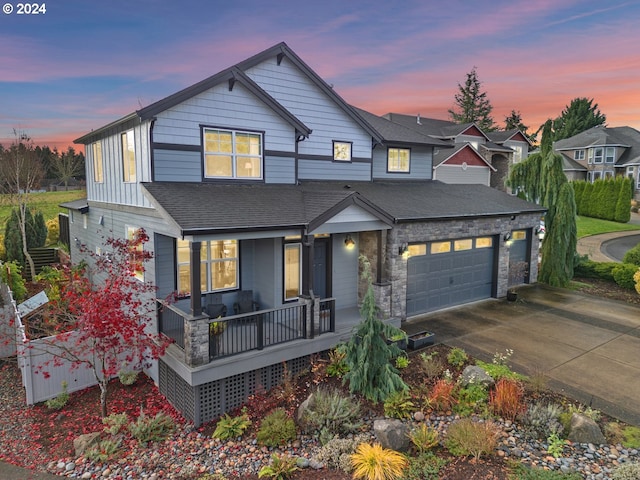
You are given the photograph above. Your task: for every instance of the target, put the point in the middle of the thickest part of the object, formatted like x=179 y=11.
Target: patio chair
x=245 y=303
x=215 y=308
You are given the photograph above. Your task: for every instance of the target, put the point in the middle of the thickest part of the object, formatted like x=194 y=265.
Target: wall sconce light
x=403 y=249
x=507 y=237
x=77 y=241
x=349 y=243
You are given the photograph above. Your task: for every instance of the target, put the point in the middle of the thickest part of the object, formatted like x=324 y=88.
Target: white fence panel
x=7 y=315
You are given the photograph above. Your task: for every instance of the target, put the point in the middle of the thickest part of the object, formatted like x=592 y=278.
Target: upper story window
x=598 y=154
x=98 y=174
x=578 y=155
x=342 y=151
x=517 y=153
x=610 y=155
x=398 y=160
x=232 y=154
x=219 y=270
x=128 y=157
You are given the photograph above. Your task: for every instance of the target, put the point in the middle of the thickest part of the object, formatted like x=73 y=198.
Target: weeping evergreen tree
x=368 y=355
x=542 y=180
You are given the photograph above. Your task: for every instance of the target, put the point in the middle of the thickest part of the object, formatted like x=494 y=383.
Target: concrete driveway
x=588 y=347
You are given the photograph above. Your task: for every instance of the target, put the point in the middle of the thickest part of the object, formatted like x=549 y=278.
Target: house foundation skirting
x=204 y=403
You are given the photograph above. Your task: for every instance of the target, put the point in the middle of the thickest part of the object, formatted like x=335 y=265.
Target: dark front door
x=321 y=255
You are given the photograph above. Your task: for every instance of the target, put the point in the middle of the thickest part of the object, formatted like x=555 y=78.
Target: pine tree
x=36 y=230
x=578 y=116
x=473 y=104
x=368 y=355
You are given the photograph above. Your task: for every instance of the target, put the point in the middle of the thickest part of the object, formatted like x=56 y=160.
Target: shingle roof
x=501 y=136
x=600 y=136
x=443 y=155
x=206 y=207
x=570 y=164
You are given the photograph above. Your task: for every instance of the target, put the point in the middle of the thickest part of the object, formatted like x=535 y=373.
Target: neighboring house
x=602 y=152
x=261 y=186
x=499 y=150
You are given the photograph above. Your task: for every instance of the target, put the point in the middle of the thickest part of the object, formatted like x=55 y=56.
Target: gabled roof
x=441 y=156
x=305 y=205
x=442 y=129
x=232 y=75
x=623 y=137
x=569 y=164
x=494 y=147
x=501 y=136
x=398 y=134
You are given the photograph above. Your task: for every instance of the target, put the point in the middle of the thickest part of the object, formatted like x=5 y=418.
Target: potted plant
x=216 y=329
x=518 y=272
x=400 y=339
x=421 y=339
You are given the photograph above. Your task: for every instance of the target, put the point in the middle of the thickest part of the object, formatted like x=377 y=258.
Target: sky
x=81 y=64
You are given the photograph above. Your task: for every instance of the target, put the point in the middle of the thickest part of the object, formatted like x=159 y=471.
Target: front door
x=321 y=255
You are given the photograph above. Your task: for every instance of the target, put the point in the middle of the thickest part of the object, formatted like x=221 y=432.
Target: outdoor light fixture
x=349 y=243
x=404 y=248
x=507 y=236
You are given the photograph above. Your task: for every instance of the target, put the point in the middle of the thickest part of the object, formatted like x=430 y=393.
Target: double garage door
x=450 y=272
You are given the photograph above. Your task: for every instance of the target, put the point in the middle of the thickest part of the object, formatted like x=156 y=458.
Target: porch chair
x=215 y=308
x=245 y=303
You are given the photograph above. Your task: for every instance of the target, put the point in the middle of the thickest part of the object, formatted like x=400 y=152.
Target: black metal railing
x=327 y=321
x=171 y=322
x=256 y=330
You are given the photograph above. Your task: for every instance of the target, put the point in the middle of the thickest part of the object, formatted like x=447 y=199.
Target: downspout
x=152 y=150
x=299 y=138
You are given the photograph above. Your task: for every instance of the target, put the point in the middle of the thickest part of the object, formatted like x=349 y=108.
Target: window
x=610 y=155
x=518 y=235
x=590 y=160
x=596 y=175
x=218 y=266
x=417 y=249
x=292 y=270
x=398 y=160
x=464 y=244
x=608 y=174
x=517 y=153
x=598 y=154
x=440 y=247
x=98 y=175
x=136 y=261
x=578 y=155
x=128 y=157
x=342 y=151
x=231 y=154
x=484 y=242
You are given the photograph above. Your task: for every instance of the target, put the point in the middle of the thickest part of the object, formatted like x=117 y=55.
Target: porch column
x=380 y=255
x=196 y=293
x=307 y=264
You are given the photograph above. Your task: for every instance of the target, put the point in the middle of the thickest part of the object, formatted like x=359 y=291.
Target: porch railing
x=327 y=318
x=171 y=322
x=257 y=330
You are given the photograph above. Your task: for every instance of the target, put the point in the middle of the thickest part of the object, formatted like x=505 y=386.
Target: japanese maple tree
x=106 y=314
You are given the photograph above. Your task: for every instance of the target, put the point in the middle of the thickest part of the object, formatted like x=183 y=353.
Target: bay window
x=232 y=154
x=218 y=266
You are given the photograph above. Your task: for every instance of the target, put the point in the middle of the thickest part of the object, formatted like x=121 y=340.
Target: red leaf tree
x=106 y=313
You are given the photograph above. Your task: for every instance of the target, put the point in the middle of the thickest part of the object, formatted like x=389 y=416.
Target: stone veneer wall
x=441 y=230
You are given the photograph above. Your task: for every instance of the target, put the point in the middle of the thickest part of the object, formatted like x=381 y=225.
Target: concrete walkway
x=588 y=347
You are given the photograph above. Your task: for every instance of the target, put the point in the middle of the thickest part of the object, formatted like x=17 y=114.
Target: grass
x=47 y=203
x=594 y=226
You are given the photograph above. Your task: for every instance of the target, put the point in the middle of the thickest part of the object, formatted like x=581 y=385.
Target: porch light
x=404 y=249
x=507 y=237
x=349 y=243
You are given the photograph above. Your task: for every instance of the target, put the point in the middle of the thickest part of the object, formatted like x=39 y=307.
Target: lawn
x=47 y=203
x=594 y=226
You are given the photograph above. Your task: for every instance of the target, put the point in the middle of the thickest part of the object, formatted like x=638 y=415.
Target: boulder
x=392 y=433
x=83 y=442
x=476 y=375
x=585 y=430
x=304 y=406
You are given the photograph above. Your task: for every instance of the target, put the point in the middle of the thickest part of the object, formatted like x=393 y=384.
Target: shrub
x=103 y=451
x=591 y=269
x=457 y=357
x=471 y=399
x=468 y=437
x=592 y=413
x=10 y=275
x=506 y=399
x=627 y=471
x=3 y=251
x=127 y=378
x=336 y=453
x=555 y=445
x=330 y=413
x=280 y=468
x=373 y=462
x=523 y=472
x=623 y=275
x=277 y=428
x=632 y=256
x=424 y=437
x=53 y=231
x=425 y=466
x=152 y=429
x=497 y=371
x=441 y=398
x=541 y=421
x=337 y=366
x=231 y=427
x=402 y=362
x=115 y=423
x=61 y=400
x=399 y=405
x=628 y=435
x=636 y=278
x=431 y=364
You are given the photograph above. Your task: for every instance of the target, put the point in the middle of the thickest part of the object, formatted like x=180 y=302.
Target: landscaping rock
x=304 y=406
x=392 y=433
x=81 y=443
x=585 y=430
x=476 y=375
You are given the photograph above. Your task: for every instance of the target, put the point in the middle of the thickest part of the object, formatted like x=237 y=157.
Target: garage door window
x=418 y=249
x=484 y=242
x=440 y=247
x=464 y=244
x=519 y=235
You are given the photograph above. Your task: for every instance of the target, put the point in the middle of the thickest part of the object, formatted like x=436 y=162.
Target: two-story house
x=260 y=188
x=600 y=153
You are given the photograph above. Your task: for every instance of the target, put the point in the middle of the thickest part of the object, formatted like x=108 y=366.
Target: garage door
x=450 y=272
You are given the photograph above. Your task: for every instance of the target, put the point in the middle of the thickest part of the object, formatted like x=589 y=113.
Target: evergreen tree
x=36 y=230
x=514 y=121
x=368 y=355
x=473 y=104
x=623 y=205
x=578 y=116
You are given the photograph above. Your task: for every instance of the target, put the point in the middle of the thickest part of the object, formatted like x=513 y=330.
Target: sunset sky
x=83 y=64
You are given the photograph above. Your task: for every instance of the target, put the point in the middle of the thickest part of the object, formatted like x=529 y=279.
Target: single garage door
x=450 y=272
